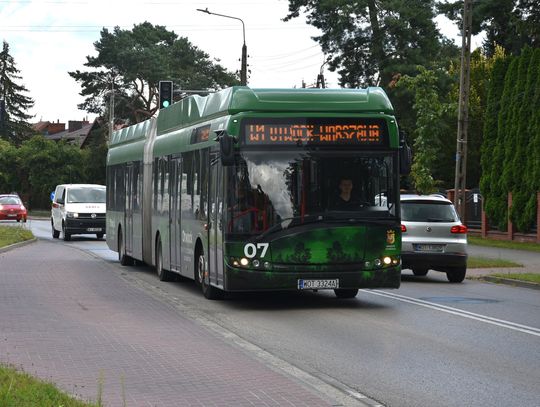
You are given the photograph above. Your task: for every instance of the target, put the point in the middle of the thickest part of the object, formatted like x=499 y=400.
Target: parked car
x=78 y=209
x=433 y=237
x=12 y=208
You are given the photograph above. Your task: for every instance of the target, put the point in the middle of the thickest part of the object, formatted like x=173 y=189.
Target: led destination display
x=315 y=131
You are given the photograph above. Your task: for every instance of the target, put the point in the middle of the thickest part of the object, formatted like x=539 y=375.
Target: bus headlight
x=244 y=262
x=387 y=260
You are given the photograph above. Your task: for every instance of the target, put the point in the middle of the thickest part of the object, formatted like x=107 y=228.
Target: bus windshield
x=269 y=190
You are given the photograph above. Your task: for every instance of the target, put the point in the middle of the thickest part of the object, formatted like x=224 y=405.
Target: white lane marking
x=462 y=313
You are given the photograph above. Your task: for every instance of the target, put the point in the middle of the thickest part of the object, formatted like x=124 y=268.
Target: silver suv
x=433 y=237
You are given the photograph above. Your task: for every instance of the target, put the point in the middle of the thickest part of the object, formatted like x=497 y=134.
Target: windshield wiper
x=290 y=222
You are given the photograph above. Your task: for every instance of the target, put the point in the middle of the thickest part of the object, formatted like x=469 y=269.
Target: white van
x=78 y=209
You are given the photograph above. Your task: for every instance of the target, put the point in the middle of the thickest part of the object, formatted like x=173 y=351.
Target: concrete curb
x=16 y=245
x=511 y=281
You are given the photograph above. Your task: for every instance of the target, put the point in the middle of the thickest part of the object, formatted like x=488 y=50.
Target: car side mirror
x=226 y=147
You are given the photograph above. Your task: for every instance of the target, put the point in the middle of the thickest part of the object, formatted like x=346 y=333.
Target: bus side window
x=196 y=195
x=203 y=205
x=156 y=183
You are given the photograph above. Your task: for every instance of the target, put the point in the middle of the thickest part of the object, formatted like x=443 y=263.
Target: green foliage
x=21 y=390
x=15 y=125
x=512 y=24
x=368 y=42
x=510 y=154
x=135 y=61
x=13 y=234
x=38 y=165
x=428 y=132
x=39 y=169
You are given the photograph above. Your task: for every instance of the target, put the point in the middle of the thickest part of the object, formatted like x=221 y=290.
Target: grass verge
x=529 y=277
x=19 y=389
x=40 y=213
x=14 y=234
x=481 y=262
x=503 y=244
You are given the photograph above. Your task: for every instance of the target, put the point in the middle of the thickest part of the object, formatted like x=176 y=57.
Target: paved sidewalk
x=72 y=320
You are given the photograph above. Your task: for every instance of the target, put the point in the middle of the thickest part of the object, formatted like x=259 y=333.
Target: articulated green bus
x=262 y=189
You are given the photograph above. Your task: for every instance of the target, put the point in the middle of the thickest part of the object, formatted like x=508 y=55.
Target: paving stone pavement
x=69 y=319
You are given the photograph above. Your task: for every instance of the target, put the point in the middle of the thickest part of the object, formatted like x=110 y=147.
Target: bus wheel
x=123 y=258
x=164 y=275
x=209 y=291
x=346 y=292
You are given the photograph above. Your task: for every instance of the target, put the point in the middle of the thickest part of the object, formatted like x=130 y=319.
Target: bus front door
x=128 y=221
x=215 y=255
x=175 y=212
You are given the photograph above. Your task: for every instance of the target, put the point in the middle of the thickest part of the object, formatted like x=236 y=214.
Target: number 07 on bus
x=262 y=189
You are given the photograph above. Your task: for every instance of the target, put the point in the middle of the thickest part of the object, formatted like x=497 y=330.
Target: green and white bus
x=262 y=189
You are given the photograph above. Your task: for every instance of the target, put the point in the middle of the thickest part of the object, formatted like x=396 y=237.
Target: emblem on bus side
x=390 y=236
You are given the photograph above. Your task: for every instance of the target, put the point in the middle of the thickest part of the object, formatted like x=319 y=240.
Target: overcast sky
x=48 y=38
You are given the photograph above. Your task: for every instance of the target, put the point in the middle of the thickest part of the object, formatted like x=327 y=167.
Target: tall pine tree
x=15 y=127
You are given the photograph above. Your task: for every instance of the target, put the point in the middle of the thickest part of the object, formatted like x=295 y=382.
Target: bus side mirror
x=405 y=156
x=226 y=147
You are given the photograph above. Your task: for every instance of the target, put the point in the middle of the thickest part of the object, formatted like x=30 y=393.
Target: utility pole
x=463 y=113
x=243 y=67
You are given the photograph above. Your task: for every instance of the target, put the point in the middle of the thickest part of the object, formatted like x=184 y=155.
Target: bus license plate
x=318 y=284
x=93 y=230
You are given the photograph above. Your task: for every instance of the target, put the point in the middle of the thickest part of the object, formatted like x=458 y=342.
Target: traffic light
x=165 y=94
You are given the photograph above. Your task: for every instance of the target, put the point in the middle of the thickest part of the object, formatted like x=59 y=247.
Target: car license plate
x=94 y=229
x=11 y=215
x=318 y=284
x=428 y=247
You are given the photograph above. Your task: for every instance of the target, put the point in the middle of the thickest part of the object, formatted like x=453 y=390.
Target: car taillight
x=458 y=229
x=403 y=228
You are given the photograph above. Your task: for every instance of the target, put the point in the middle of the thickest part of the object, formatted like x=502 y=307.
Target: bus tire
x=203 y=276
x=346 y=292
x=55 y=233
x=123 y=258
x=163 y=275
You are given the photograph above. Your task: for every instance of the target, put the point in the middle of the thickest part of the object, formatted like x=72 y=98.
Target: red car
x=12 y=208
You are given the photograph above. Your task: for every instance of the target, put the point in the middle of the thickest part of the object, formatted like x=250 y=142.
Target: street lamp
x=243 y=69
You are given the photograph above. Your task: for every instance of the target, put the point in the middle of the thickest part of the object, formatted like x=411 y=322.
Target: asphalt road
x=430 y=343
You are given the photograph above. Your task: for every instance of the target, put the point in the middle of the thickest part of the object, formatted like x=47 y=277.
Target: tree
x=15 y=126
x=512 y=24
x=430 y=134
x=370 y=41
x=38 y=168
x=491 y=169
x=133 y=62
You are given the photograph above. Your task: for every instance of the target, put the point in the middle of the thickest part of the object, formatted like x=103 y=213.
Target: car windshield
x=86 y=195
x=10 y=200
x=428 y=211
x=273 y=192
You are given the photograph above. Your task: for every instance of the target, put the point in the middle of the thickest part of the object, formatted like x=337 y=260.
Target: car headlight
x=72 y=215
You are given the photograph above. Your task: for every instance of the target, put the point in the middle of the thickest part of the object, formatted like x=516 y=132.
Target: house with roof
x=78 y=132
